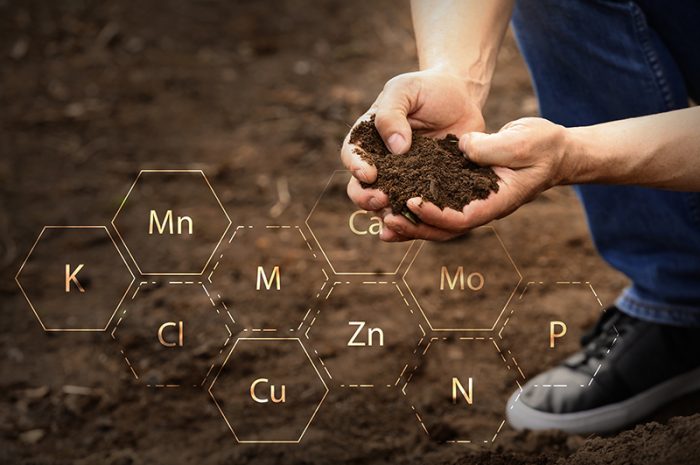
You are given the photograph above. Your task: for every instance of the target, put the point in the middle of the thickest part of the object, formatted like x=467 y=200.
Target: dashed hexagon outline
x=330 y=263
x=126 y=246
x=313 y=415
x=519 y=377
x=219 y=312
x=587 y=284
x=495 y=322
x=311 y=250
x=31 y=305
x=314 y=317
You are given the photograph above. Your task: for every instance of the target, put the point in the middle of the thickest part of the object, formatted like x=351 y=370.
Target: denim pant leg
x=598 y=60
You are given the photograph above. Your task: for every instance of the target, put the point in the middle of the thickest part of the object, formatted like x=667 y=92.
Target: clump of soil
x=433 y=169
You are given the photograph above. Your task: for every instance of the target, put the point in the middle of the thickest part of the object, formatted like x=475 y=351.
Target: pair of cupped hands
x=526 y=154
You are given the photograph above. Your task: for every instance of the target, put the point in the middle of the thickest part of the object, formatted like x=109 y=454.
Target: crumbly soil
x=259 y=95
x=432 y=169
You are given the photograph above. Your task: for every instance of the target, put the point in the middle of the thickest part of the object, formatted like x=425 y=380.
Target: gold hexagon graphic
x=463 y=290
x=460 y=390
x=354 y=248
x=171 y=222
x=66 y=279
x=548 y=306
x=276 y=430
x=172 y=335
x=270 y=276
x=359 y=324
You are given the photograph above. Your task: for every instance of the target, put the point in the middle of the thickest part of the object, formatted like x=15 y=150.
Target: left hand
x=528 y=156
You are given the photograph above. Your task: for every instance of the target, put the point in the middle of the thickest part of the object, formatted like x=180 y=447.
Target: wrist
x=476 y=85
x=579 y=156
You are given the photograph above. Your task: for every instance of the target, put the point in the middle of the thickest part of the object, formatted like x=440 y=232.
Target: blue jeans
x=600 y=60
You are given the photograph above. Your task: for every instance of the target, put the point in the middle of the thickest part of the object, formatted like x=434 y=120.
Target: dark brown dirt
x=673 y=444
x=258 y=95
x=644 y=445
x=433 y=169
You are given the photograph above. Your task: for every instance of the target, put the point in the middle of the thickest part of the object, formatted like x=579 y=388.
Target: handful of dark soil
x=433 y=169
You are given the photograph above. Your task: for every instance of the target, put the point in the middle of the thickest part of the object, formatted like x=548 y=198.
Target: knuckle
x=397 y=81
x=387 y=120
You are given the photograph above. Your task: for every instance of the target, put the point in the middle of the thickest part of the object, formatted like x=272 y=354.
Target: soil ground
x=259 y=95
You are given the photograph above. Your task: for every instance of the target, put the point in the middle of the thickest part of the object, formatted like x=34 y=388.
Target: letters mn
x=168 y=223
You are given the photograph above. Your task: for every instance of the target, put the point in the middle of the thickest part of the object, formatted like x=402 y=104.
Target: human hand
x=435 y=102
x=528 y=155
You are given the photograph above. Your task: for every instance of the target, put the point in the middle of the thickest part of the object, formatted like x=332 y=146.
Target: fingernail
x=396 y=142
x=415 y=202
x=373 y=204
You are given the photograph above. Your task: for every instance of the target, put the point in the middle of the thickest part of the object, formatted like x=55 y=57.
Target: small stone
x=36 y=393
x=19 y=49
x=32 y=436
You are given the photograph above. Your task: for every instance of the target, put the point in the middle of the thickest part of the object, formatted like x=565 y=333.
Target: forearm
x=661 y=150
x=461 y=37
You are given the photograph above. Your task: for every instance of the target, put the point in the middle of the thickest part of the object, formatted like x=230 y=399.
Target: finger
x=367 y=199
x=498 y=149
x=387 y=234
x=393 y=106
x=402 y=226
x=429 y=213
x=350 y=155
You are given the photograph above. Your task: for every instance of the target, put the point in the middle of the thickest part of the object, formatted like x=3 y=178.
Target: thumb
x=488 y=149
x=393 y=106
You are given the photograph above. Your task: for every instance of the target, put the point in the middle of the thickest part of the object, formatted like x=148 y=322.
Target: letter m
x=451 y=282
x=267 y=282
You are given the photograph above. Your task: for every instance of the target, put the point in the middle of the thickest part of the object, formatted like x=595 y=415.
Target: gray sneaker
x=627 y=368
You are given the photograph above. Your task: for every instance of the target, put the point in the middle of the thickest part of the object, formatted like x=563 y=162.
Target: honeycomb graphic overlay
x=270 y=277
x=267 y=318
x=349 y=236
x=459 y=391
x=74 y=278
x=172 y=334
x=170 y=210
x=383 y=328
x=265 y=400
x=467 y=289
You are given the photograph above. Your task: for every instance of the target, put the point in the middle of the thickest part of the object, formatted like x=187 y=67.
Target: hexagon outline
x=216 y=357
x=313 y=253
x=31 y=305
x=505 y=365
x=348 y=273
x=223 y=234
x=510 y=297
x=589 y=286
x=311 y=418
x=393 y=285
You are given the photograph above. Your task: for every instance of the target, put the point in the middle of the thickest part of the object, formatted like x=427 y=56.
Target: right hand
x=434 y=102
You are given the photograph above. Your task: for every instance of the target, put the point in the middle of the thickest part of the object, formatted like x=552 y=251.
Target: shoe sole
x=608 y=418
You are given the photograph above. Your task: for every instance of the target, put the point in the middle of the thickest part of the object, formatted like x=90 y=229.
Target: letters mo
x=474 y=281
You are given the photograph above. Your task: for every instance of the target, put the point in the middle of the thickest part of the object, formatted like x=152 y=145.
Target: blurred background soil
x=259 y=95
